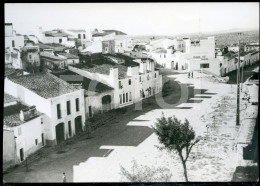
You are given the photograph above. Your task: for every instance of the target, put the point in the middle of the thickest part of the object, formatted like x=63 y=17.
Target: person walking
x=64 y=178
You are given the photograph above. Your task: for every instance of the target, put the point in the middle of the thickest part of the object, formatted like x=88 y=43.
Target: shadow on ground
x=50 y=167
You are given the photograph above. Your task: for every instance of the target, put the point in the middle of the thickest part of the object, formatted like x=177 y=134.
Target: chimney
x=129 y=71
x=114 y=73
x=21 y=115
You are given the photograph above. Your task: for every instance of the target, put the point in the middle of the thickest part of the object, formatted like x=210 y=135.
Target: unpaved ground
x=130 y=137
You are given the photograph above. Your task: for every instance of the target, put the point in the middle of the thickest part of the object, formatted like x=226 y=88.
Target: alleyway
x=130 y=136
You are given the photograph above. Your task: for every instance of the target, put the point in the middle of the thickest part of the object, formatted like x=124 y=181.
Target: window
x=140 y=78
x=41 y=120
x=204 y=65
x=106 y=49
x=129 y=81
x=58 y=111
x=148 y=77
x=68 y=108
x=154 y=75
x=120 y=85
x=83 y=46
x=30 y=56
x=123 y=98
x=126 y=97
x=84 y=36
x=60 y=40
x=164 y=56
x=19 y=131
x=77 y=104
x=36 y=141
x=130 y=96
x=13 y=43
x=121 y=44
x=69 y=123
x=120 y=97
x=90 y=111
x=79 y=36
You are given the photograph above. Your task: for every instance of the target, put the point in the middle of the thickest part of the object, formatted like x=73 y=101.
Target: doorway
x=21 y=154
x=60 y=132
x=78 y=125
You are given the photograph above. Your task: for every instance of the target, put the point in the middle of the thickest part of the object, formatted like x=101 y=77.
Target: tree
x=175 y=135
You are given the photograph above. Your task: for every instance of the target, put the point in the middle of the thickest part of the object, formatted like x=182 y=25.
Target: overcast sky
x=134 y=18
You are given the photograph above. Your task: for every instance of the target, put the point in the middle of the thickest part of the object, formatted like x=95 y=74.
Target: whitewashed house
x=131 y=81
x=12 y=40
x=62 y=104
x=23 y=132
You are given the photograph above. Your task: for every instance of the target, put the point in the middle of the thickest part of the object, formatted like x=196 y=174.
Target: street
x=130 y=136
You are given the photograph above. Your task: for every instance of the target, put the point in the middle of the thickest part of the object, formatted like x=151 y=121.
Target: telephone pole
x=238 y=83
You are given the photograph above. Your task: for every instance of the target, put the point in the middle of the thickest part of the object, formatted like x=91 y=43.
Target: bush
x=144 y=173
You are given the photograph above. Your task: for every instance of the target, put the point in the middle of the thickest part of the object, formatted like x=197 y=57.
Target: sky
x=134 y=18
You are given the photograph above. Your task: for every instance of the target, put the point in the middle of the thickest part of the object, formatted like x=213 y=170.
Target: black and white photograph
x=130 y=92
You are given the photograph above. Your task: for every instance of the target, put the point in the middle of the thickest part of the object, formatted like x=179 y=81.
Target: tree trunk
x=185 y=171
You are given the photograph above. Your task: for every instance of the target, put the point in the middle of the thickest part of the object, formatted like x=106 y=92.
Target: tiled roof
x=116 y=32
x=74 y=30
x=44 y=84
x=100 y=34
x=74 y=78
x=102 y=66
x=160 y=50
x=62 y=34
x=9 y=98
x=55 y=48
x=50 y=56
x=12 y=115
x=9 y=71
x=69 y=56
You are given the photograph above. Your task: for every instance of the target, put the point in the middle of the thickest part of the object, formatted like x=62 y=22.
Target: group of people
x=190 y=75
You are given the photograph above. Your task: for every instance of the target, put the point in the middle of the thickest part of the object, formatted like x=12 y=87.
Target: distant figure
x=64 y=178
x=191 y=74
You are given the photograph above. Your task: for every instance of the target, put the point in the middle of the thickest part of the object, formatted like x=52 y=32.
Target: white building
x=12 y=40
x=22 y=131
x=70 y=58
x=131 y=81
x=62 y=104
x=82 y=37
x=251 y=46
x=98 y=96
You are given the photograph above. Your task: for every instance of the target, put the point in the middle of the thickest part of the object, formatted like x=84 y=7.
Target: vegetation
x=144 y=173
x=176 y=136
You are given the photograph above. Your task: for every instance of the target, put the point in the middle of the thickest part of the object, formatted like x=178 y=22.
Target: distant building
x=23 y=131
x=12 y=40
x=30 y=56
x=62 y=103
x=81 y=37
x=53 y=62
x=70 y=58
x=98 y=96
x=251 y=46
x=132 y=79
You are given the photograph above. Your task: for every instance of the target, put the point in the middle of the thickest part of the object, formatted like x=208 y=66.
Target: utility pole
x=242 y=74
x=238 y=83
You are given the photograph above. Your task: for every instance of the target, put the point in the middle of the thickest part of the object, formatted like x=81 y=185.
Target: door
x=78 y=125
x=60 y=132
x=106 y=103
x=90 y=111
x=21 y=154
x=176 y=65
x=172 y=66
x=42 y=139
